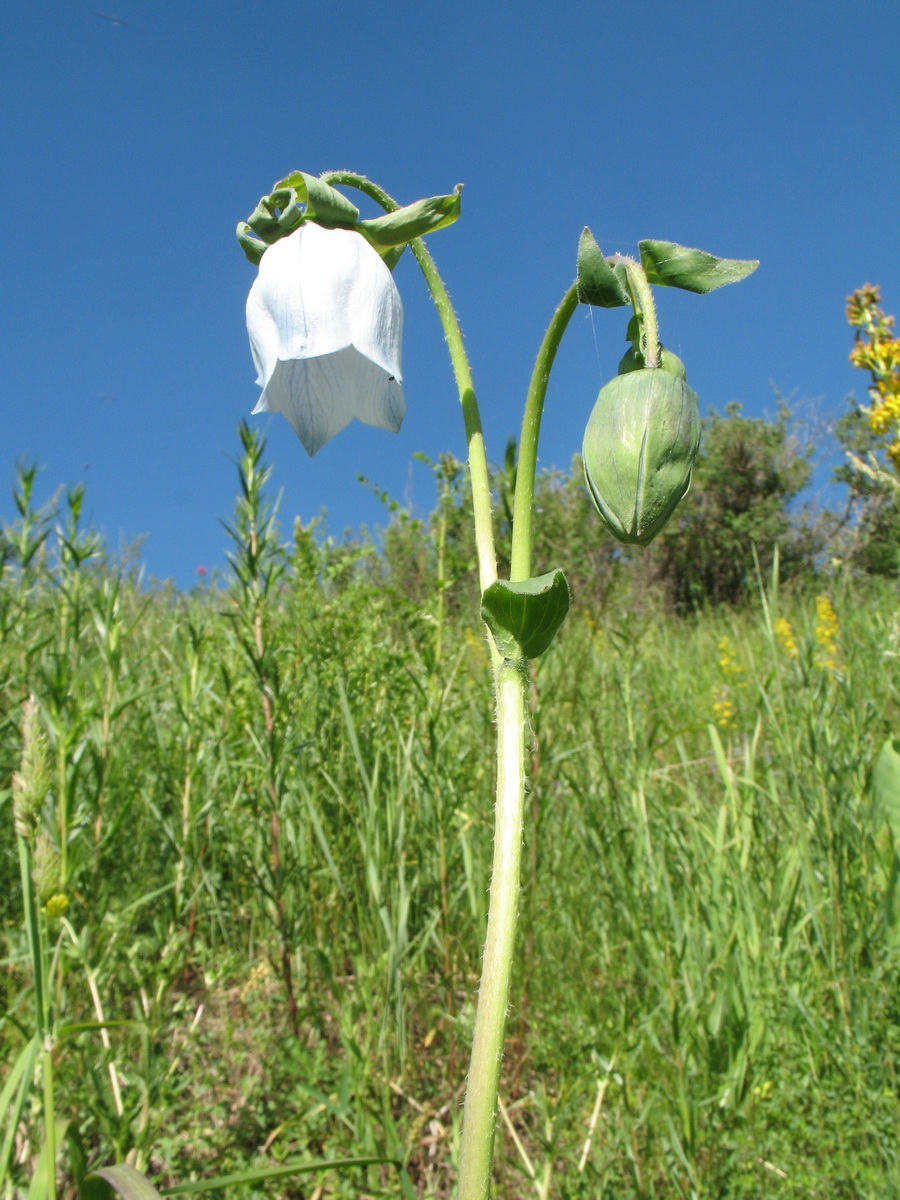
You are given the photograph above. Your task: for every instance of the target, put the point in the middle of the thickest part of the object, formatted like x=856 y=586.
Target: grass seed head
x=32 y=781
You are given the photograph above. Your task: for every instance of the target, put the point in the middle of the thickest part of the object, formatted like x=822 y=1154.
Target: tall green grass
x=271 y=805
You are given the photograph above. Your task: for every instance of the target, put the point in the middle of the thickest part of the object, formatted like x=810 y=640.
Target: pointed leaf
x=599 y=283
x=414 y=220
x=324 y=204
x=282 y=1171
x=523 y=617
x=694 y=270
x=121 y=1178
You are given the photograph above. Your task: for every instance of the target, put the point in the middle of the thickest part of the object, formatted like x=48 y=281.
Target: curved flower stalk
x=325 y=322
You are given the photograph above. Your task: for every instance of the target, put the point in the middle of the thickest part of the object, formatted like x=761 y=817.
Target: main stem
x=479 y=1114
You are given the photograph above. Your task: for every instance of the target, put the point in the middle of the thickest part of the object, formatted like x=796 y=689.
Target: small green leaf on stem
x=413 y=221
x=599 y=283
x=524 y=617
x=694 y=270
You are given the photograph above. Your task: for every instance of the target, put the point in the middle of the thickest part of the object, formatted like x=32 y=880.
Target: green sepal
x=524 y=617
x=633 y=360
x=324 y=204
x=694 y=270
x=276 y=215
x=412 y=221
x=635 y=332
x=251 y=245
x=633 y=329
x=296 y=198
x=599 y=283
x=104 y=1182
x=391 y=255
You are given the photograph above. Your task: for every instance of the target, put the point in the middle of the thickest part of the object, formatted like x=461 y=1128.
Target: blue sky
x=131 y=147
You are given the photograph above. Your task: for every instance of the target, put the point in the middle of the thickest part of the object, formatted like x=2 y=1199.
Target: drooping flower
x=325 y=321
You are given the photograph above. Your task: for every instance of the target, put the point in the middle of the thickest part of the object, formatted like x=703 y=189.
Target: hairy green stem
x=478 y=466
x=643 y=303
x=523 y=512
x=479 y=1115
x=479 y=474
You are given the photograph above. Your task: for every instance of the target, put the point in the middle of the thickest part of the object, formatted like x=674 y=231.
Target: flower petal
x=319 y=396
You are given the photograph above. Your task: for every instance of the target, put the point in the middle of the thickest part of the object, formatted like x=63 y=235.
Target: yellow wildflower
x=723 y=707
x=785 y=635
x=877 y=351
x=56 y=905
x=826 y=631
x=728 y=664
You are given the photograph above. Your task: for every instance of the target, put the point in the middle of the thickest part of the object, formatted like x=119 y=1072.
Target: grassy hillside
x=263 y=868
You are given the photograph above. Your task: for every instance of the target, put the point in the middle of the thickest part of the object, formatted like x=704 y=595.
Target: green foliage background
x=271 y=803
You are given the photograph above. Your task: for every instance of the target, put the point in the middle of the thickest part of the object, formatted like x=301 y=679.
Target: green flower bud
x=639 y=447
x=634 y=361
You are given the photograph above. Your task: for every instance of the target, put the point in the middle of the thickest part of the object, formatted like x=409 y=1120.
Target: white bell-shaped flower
x=325 y=321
